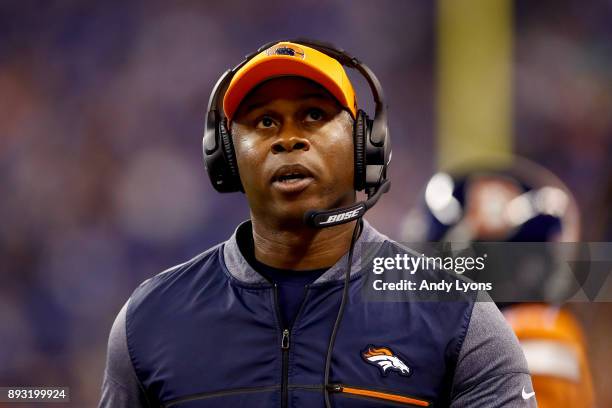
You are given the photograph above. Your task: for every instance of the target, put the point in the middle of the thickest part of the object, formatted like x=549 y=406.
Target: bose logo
x=341 y=216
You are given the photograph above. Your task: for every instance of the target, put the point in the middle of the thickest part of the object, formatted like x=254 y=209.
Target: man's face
x=294 y=147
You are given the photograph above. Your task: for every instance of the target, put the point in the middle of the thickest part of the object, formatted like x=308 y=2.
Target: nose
x=290 y=143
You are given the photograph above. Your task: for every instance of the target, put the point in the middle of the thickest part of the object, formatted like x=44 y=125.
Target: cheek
x=245 y=152
x=249 y=157
x=242 y=139
x=339 y=152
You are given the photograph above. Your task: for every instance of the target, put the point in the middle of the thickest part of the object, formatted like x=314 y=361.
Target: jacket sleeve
x=121 y=387
x=491 y=368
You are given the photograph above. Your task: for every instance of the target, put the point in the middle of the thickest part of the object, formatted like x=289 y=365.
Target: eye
x=314 y=115
x=265 y=123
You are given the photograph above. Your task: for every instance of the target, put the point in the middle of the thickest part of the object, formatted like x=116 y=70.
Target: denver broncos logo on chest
x=386 y=360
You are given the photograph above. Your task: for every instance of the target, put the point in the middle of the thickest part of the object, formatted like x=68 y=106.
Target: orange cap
x=290 y=59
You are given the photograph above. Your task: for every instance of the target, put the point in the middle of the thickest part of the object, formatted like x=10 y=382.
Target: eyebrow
x=316 y=95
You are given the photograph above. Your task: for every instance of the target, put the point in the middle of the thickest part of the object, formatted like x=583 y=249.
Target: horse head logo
x=385 y=360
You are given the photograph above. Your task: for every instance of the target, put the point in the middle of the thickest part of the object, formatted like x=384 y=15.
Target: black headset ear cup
x=230 y=156
x=359 y=140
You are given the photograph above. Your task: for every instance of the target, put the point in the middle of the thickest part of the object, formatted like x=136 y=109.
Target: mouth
x=292 y=178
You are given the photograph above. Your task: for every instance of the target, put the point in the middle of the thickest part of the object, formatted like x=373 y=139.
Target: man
x=274 y=316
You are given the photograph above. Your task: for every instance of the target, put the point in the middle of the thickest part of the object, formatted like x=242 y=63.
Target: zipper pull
x=285 y=340
x=334 y=388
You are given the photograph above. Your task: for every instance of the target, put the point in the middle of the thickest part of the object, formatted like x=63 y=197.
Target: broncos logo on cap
x=385 y=360
x=287 y=49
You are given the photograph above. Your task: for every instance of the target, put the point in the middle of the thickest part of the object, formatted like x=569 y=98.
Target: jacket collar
x=366 y=247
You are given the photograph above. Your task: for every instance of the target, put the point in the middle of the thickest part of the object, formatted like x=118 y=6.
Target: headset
x=371 y=141
x=372 y=155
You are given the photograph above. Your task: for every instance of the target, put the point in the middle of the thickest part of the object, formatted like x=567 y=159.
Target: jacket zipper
x=380 y=395
x=284 y=351
x=285 y=379
x=285 y=344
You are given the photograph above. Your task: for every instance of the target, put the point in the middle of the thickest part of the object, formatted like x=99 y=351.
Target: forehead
x=286 y=88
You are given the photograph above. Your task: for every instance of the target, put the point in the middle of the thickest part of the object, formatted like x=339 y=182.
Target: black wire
x=345 y=290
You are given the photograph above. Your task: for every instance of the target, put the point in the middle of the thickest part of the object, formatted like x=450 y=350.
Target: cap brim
x=277 y=66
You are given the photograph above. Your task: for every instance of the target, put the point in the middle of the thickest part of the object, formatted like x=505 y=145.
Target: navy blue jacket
x=207 y=333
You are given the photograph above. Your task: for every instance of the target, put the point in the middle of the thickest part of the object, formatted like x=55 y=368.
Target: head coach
x=273 y=316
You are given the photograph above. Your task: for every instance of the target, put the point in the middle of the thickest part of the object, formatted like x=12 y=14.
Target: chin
x=290 y=209
x=298 y=209
x=293 y=211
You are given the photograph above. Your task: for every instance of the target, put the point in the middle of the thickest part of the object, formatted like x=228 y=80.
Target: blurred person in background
x=519 y=202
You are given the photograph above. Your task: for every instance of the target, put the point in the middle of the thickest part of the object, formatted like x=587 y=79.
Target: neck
x=300 y=247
